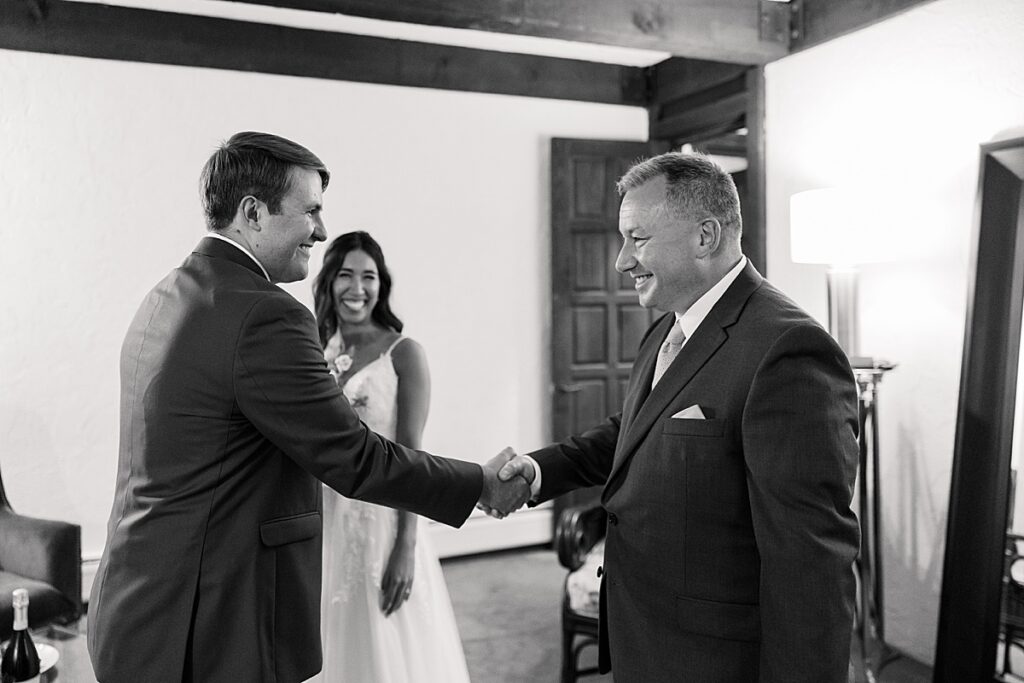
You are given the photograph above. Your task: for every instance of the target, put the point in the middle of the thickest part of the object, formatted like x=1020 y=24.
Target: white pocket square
x=692 y=413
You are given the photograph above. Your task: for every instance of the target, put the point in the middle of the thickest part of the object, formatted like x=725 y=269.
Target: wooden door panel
x=590 y=342
x=589 y=180
x=590 y=402
x=633 y=322
x=590 y=261
x=597 y=321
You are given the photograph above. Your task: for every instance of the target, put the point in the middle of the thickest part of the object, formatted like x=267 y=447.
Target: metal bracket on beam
x=781 y=21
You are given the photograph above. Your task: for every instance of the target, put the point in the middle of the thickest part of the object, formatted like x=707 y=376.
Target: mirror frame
x=968 y=628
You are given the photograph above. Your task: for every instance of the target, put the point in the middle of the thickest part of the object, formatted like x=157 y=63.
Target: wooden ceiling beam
x=121 y=33
x=708 y=120
x=693 y=100
x=719 y=30
x=732 y=144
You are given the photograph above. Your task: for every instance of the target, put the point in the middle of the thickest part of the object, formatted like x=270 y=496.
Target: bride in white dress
x=385 y=612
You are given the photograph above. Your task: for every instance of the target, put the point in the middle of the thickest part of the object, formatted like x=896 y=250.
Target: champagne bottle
x=20 y=661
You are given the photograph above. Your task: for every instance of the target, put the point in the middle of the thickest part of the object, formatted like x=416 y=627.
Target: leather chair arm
x=45 y=550
x=577 y=530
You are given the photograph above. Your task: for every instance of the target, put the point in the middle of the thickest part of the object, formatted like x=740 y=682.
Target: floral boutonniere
x=339 y=359
x=339 y=366
x=342 y=363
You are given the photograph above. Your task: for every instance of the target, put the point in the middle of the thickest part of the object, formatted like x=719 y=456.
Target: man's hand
x=502 y=496
x=518 y=466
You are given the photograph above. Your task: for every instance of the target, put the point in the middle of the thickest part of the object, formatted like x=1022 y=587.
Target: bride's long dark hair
x=323 y=297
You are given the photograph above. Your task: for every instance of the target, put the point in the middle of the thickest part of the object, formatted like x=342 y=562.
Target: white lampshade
x=832 y=226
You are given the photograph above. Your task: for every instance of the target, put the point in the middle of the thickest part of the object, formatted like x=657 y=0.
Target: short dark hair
x=257 y=164
x=323 y=296
x=694 y=184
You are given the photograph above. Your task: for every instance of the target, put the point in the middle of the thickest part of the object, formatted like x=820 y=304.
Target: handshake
x=507 y=479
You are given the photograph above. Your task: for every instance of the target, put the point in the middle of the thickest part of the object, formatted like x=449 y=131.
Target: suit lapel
x=699 y=348
x=643 y=371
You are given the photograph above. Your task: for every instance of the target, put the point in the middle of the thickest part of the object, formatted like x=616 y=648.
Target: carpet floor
x=508 y=609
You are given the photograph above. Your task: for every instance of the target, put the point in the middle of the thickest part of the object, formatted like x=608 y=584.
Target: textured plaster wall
x=898 y=111
x=99 y=165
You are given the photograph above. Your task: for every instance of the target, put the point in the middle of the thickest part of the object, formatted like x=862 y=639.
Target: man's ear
x=250 y=208
x=710 y=231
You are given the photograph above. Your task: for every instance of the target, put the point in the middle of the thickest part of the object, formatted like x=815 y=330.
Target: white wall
x=99 y=165
x=899 y=110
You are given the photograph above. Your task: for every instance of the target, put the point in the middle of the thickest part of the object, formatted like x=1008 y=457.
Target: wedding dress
x=418 y=643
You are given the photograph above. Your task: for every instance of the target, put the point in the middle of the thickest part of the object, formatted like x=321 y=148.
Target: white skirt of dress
x=420 y=642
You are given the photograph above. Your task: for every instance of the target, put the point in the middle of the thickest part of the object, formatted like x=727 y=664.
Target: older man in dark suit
x=229 y=421
x=729 y=473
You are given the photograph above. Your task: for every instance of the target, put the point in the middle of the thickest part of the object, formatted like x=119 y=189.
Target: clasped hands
x=507 y=479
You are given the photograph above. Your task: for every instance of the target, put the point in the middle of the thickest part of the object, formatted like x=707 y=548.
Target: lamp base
x=842 y=309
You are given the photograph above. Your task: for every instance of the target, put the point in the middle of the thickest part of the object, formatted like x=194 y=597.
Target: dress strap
x=393 y=345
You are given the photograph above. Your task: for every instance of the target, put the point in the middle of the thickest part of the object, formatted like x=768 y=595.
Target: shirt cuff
x=535 y=484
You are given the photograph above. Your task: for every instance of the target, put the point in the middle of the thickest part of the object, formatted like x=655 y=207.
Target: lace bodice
x=373 y=393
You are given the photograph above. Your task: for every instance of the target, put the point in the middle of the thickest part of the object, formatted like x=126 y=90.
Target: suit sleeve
x=283 y=387
x=579 y=461
x=799 y=441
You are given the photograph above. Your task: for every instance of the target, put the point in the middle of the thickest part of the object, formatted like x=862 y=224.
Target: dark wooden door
x=597 y=321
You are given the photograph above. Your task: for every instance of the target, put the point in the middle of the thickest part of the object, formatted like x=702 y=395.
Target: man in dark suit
x=728 y=484
x=229 y=422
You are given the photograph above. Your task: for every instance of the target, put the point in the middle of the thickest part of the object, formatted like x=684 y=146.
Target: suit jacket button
x=612 y=519
x=600 y=572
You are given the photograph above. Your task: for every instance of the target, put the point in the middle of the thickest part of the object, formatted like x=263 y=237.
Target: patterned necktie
x=669 y=351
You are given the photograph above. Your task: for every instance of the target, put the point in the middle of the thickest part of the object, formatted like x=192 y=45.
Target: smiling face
x=661 y=251
x=356 y=288
x=285 y=238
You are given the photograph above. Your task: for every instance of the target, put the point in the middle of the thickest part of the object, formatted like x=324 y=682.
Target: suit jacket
x=730 y=546
x=229 y=421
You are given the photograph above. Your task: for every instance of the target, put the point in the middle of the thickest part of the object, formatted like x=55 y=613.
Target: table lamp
x=826 y=228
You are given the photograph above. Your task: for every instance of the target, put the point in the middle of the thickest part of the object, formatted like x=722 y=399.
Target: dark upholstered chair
x=45 y=558
x=579 y=540
x=1012 y=612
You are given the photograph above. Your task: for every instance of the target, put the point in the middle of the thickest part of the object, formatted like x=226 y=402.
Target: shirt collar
x=238 y=246
x=695 y=314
